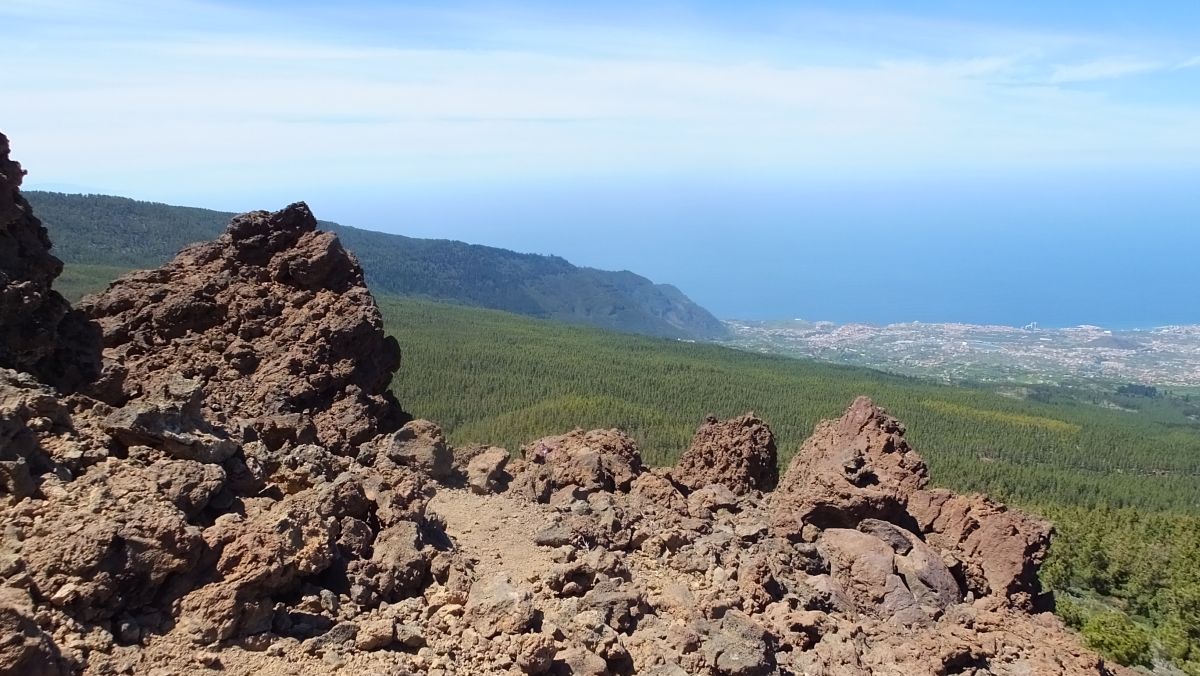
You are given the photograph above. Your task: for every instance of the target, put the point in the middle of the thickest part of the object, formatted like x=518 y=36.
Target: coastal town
x=1167 y=356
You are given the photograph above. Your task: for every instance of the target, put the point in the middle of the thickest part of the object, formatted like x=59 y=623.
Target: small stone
x=209 y=660
x=409 y=636
x=375 y=634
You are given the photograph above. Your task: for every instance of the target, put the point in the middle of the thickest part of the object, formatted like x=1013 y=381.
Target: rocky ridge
x=236 y=491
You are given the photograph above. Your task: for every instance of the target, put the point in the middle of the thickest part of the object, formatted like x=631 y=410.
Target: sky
x=854 y=161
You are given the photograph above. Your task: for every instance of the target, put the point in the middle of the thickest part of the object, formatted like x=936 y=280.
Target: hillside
x=498 y=378
x=495 y=377
x=124 y=233
x=206 y=468
x=1123 y=490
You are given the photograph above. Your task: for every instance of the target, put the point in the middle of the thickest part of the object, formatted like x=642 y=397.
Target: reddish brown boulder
x=856 y=467
x=1000 y=548
x=901 y=580
x=273 y=319
x=39 y=332
x=420 y=444
x=739 y=453
x=599 y=460
x=485 y=471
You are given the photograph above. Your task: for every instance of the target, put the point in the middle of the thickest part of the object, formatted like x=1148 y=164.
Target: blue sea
x=1117 y=249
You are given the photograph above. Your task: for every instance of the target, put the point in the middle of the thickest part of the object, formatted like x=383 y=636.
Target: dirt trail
x=495 y=530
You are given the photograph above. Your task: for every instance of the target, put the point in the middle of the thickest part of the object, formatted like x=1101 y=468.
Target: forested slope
x=1123 y=490
x=119 y=232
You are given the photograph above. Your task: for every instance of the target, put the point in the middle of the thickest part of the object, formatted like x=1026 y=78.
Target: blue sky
x=554 y=126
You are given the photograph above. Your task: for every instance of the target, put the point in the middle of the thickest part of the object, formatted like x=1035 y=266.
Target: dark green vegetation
x=1136 y=390
x=1123 y=489
x=1133 y=582
x=120 y=232
x=76 y=281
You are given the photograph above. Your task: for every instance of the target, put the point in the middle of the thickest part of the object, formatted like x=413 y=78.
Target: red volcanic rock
x=856 y=467
x=599 y=460
x=859 y=472
x=26 y=648
x=739 y=453
x=273 y=320
x=1001 y=548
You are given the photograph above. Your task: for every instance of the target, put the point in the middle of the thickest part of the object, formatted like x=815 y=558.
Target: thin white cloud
x=1102 y=69
x=264 y=108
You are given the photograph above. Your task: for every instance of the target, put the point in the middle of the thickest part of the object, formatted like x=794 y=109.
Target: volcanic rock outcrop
x=39 y=333
x=273 y=321
x=739 y=452
x=238 y=493
x=857 y=467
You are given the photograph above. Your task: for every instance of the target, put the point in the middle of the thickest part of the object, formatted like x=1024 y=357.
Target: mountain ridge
x=123 y=232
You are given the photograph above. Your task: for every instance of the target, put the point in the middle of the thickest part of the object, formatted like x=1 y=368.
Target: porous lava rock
x=738 y=453
x=26 y=649
x=851 y=566
x=597 y=460
x=1001 y=548
x=275 y=322
x=856 y=467
x=39 y=332
x=39 y=435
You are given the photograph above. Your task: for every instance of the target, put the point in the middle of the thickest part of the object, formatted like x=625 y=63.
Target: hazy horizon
x=887 y=270
x=844 y=162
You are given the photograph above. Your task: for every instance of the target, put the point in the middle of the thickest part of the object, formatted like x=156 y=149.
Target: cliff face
x=236 y=490
x=38 y=331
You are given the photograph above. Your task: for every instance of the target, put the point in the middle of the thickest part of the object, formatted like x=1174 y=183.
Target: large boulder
x=599 y=460
x=496 y=606
x=485 y=471
x=856 y=467
x=39 y=332
x=1001 y=548
x=897 y=577
x=107 y=541
x=739 y=453
x=273 y=319
x=420 y=445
